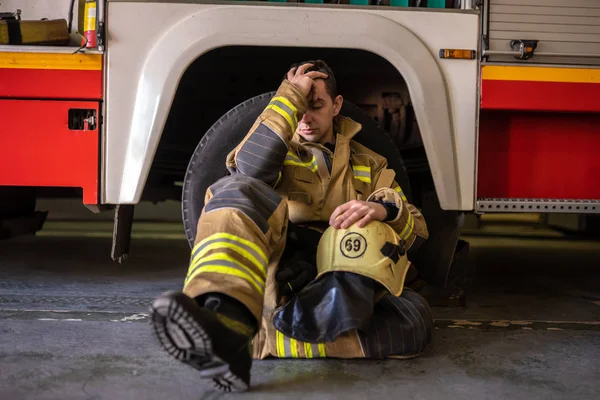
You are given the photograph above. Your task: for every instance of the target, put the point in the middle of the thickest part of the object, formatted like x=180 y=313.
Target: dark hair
x=321 y=66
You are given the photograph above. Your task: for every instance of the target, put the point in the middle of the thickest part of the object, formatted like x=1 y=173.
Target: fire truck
x=479 y=106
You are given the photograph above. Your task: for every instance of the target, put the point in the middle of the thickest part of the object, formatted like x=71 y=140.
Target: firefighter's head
x=317 y=124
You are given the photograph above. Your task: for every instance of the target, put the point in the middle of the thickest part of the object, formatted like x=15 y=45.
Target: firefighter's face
x=317 y=124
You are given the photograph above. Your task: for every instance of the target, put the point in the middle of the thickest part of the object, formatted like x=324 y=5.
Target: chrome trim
x=499 y=205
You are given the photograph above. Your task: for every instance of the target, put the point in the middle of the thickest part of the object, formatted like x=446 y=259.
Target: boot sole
x=184 y=338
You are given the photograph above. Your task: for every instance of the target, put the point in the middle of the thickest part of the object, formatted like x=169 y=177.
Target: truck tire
x=207 y=163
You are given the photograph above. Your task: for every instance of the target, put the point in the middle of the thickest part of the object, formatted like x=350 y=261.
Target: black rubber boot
x=195 y=336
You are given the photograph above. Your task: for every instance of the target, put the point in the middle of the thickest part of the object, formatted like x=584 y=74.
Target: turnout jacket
x=313 y=179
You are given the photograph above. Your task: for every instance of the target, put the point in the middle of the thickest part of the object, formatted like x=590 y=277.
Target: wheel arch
x=204 y=31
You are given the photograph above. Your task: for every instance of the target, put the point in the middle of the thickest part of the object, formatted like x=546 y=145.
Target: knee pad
x=249 y=195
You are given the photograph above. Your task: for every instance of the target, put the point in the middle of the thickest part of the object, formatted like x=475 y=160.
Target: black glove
x=298 y=265
x=295 y=273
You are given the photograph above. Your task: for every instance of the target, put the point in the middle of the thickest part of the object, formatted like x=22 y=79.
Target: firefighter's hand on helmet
x=294 y=274
x=356 y=210
x=304 y=80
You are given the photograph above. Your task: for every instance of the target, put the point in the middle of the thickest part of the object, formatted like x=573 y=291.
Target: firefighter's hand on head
x=304 y=80
x=356 y=210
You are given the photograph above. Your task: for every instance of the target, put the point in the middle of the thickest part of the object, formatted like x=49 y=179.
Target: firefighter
x=301 y=250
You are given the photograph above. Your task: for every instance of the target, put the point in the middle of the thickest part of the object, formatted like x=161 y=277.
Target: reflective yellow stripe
x=292 y=155
x=294 y=348
x=234 y=238
x=308 y=350
x=286 y=102
x=222 y=245
x=359 y=171
x=226 y=271
x=399 y=190
x=295 y=160
x=280 y=345
x=321 y=350
x=408 y=229
x=226 y=257
x=289 y=105
x=312 y=165
x=362 y=178
x=64 y=61
x=284 y=114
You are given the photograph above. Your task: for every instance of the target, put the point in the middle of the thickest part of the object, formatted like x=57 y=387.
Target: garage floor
x=74 y=325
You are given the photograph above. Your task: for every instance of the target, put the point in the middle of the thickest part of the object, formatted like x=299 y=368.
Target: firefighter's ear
x=337 y=105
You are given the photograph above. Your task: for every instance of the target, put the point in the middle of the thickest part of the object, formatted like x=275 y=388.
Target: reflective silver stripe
x=401 y=193
x=287 y=350
x=292 y=159
x=285 y=108
x=258 y=257
x=245 y=272
x=362 y=173
x=315 y=350
x=283 y=345
x=285 y=113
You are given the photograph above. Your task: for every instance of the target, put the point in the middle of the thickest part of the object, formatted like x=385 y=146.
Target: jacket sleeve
x=409 y=222
x=262 y=152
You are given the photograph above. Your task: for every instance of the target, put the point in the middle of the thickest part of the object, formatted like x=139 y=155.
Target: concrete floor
x=74 y=326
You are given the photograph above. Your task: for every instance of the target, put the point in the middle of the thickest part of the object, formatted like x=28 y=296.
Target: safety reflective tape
x=288 y=347
x=401 y=193
x=226 y=271
x=62 y=61
x=286 y=105
x=280 y=344
x=408 y=229
x=233 y=238
x=308 y=350
x=363 y=178
x=292 y=159
x=222 y=244
x=292 y=156
x=294 y=348
x=284 y=114
x=321 y=347
x=362 y=173
x=221 y=256
x=361 y=168
x=286 y=102
x=312 y=350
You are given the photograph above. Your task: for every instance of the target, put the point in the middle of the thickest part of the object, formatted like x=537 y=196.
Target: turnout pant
x=240 y=240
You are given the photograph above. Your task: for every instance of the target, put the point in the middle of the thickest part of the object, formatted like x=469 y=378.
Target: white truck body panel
x=150 y=45
x=562 y=27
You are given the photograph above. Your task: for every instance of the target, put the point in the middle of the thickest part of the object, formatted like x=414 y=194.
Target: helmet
x=375 y=251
